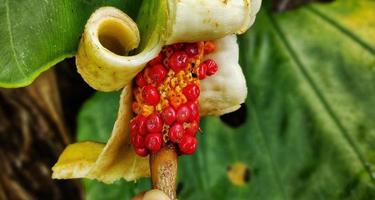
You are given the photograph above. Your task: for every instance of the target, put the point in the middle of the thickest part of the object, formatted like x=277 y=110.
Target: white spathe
x=226 y=90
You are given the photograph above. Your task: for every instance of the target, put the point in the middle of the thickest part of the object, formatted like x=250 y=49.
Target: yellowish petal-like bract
x=108 y=162
x=110 y=34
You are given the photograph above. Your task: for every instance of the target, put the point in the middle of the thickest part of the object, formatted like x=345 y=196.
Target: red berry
x=154 y=123
x=209 y=47
x=137 y=141
x=141 y=152
x=178 y=46
x=150 y=95
x=158 y=73
x=178 y=61
x=191 y=49
x=176 y=132
x=153 y=142
x=183 y=114
x=202 y=70
x=194 y=110
x=211 y=67
x=192 y=128
x=140 y=80
x=188 y=144
x=168 y=115
x=169 y=51
x=156 y=60
x=142 y=129
x=191 y=92
x=134 y=126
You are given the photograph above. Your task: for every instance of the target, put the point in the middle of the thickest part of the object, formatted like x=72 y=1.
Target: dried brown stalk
x=163 y=166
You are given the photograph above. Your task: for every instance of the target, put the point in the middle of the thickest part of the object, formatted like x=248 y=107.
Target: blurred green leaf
x=35 y=35
x=97 y=116
x=310 y=131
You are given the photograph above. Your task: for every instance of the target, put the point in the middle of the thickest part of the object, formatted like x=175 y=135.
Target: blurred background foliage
x=307 y=128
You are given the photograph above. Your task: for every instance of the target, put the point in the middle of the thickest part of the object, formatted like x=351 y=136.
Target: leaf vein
x=11 y=39
x=263 y=137
x=342 y=29
x=326 y=105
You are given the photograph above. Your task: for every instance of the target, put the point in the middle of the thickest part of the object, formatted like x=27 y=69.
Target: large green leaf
x=35 y=35
x=310 y=131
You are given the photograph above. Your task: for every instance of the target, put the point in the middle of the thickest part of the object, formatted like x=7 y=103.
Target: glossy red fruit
x=202 y=71
x=188 y=144
x=211 y=67
x=178 y=46
x=192 y=128
x=209 y=47
x=137 y=141
x=191 y=49
x=183 y=114
x=191 y=92
x=158 y=59
x=140 y=80
x=158 y=73
x=154 y=123
x=178 y=61
x=194 y=110
x=150 y=95
x=176 y=132
x=143 y=152
x=142 y=129
x=153 y=142
x=168 y=115
x=134 y=126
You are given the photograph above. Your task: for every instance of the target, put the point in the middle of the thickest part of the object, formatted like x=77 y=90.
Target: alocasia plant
x=309 y=132
x=299 y=141
x=164 y=95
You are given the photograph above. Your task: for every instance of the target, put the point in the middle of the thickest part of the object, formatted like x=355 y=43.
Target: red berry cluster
x=166 y=96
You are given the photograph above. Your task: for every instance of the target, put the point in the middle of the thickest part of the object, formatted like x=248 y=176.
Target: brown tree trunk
x=32 y=135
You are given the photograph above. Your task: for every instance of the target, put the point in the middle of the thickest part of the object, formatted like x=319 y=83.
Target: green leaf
x=309 y=133
x=97 y=116
x=35 y=35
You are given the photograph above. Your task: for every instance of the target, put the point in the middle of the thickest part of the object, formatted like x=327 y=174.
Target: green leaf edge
x=29 y=79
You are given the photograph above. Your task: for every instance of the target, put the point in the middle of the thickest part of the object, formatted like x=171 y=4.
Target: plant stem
x=163 y=166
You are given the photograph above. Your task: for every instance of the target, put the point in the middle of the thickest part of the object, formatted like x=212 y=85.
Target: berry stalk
x=163 y=165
